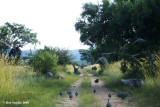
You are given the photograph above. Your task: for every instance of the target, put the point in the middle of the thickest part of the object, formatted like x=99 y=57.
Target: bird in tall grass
x=76 y=94
x=94 y=90
x=109 y=95
x=70 y=96
x=60 y=93
x=108 y=104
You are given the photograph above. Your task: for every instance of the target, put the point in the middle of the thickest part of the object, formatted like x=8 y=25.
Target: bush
x=63 y=55
x=44 y=62
x=124 y=67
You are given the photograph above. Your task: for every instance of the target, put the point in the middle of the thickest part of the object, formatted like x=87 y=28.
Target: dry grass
x=20 y=83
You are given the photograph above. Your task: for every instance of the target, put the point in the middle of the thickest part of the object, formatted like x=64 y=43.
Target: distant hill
x=75 y=54
x=26 y=52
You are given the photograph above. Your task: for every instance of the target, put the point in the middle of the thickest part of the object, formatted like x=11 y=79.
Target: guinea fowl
x=109 y=95
x=69 y=92
x=108 y=104
x=60 y=93
x=123 y=95
x=102 y=61
x=96 y=81
x=76 y=94
x=94 y=90
x=70 y=96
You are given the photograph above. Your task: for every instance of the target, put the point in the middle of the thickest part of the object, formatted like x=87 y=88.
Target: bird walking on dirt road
x=123 y=95
x=76 y=94
x=70 y=96
x=69 y=92
x=96 y=81
x=108 y=104
x=109 y=95
x=94 y=90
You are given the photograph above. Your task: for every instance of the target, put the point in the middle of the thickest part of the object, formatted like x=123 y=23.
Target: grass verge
x=145 y=96
x=21 y=87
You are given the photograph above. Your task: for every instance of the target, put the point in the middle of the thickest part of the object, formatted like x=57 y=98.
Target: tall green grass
x=112 y=76
x=21 y=84
x=150 y=91
x=7 y=79
x=87 y=98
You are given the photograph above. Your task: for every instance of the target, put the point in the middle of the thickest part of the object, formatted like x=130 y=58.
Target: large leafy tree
x=120 y=24
x=16 y=35
x=86 y=55
x=128 y=28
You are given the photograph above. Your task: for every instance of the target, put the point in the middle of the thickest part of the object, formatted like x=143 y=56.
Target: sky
x=52 y=20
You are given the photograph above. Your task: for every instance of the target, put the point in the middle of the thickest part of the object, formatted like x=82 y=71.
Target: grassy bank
x=145 y=96
x=21 y=87
x=87 y=98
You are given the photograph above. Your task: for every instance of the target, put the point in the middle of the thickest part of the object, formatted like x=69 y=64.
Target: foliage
x=13 y=36
x=124 y=66
x=7 y=78
x=21 y=84
x=151 y=68
x=86 y=55
x=147 y=95
x=63 y=55
x=75 y=63
x=115 y=27
x=102 y=69
x=16 y=35
x=44 y=61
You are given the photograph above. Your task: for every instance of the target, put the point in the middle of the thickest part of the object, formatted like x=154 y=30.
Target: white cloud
x=53 y=20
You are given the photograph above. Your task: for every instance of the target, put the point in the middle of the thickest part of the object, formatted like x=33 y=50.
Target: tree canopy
x=16 y=35
x=128 y=29
x=114 y=27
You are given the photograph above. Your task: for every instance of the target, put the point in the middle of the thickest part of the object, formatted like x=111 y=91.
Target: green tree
x=119 y=24
x=43 y=61
x=16 y=35
x=116 y=27
x=86 y=55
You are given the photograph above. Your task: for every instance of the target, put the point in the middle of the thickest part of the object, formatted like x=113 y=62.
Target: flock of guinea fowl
x=69 y=92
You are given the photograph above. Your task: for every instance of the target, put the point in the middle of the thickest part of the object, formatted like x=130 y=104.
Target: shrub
x=63 y=55
x=44 y=62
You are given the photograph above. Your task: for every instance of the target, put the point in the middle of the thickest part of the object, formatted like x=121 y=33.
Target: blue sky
x=52 y=20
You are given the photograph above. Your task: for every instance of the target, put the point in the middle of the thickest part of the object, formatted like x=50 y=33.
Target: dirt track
x=66 y=102
x=101 y=94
